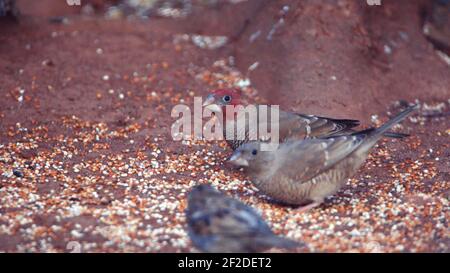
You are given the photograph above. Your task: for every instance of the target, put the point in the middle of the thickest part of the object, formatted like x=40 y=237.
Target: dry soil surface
x=86 y=154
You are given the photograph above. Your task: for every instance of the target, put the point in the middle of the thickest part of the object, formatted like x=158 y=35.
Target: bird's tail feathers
x=395 y=135
x=398 y=118
x=374 y=134
x=279 y=242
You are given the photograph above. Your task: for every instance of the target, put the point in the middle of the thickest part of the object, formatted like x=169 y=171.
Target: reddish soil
x=85 y=148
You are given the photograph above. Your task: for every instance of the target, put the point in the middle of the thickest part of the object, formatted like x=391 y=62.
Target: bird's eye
x=254 y=152
x=227 y=98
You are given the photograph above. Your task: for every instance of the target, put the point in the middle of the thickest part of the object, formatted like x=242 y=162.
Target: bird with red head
x=291 y=125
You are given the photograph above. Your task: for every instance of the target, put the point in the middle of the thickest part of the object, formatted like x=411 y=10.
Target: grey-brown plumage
x=217 y=223
x=305 y=172
x=291 y=125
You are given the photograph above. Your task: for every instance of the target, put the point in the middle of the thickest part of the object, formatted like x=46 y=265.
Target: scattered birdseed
x=115 y=181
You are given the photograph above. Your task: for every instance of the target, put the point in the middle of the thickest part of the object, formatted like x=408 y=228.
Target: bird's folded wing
x=299 y=126
x=321 y=126
x=306 y=159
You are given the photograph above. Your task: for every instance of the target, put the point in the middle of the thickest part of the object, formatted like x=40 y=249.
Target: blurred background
x=308 y=54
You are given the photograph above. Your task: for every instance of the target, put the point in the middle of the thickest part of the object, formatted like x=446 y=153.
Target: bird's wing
x=303 y=160
x=323 y=126
x=292 y=125
x=300 y=126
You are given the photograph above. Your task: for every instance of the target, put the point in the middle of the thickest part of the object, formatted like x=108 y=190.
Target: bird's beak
x=238 y=160
x=210 y=104
x=209 y=100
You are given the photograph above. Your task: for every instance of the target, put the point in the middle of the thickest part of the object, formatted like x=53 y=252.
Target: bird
x=304 y=172
x=291 y=125
x=218 y=223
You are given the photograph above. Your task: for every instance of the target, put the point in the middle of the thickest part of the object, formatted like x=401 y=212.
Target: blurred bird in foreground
x=305 y=172
x=217 y=223
x=291 y=125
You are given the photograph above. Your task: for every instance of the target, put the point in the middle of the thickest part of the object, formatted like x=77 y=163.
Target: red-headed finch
x=291 y=125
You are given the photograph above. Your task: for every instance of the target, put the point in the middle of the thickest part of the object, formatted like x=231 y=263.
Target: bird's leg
x=305 y=208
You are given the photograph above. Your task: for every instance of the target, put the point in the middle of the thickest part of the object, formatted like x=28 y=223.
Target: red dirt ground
x=85 y=119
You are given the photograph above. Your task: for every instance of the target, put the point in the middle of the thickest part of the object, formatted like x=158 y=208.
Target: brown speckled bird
x=291 y=125
x=217 y=223
x=305 y=172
